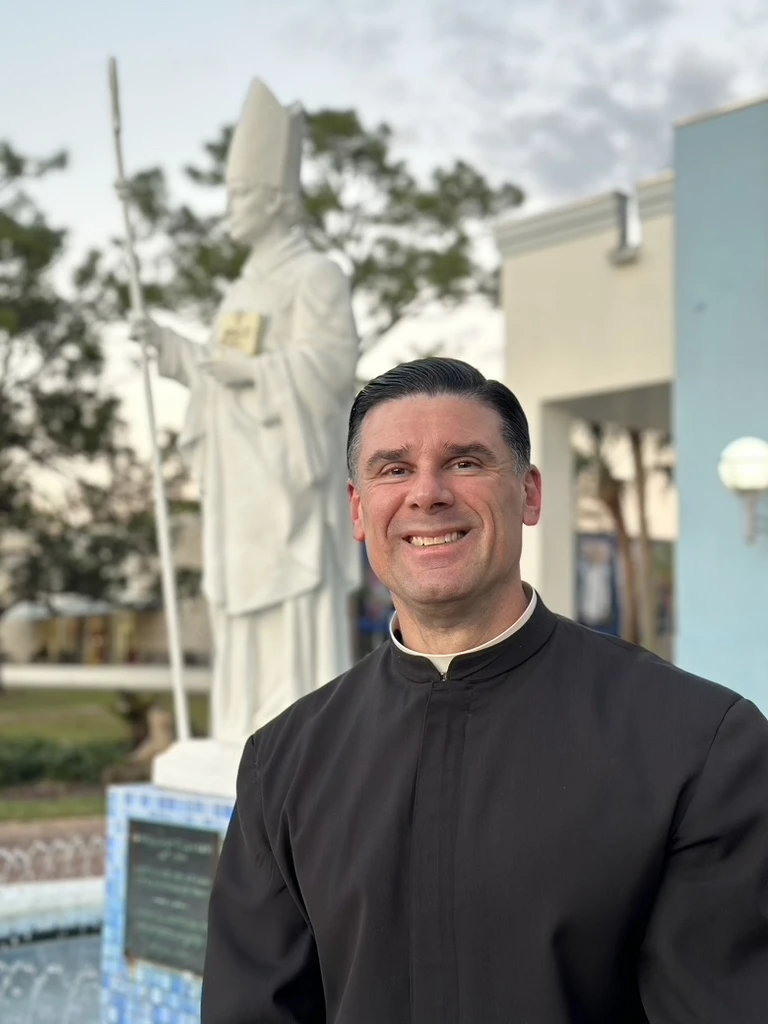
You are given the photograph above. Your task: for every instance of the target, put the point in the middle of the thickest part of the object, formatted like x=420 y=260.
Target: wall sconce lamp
x=743 y=469
x=630 y=227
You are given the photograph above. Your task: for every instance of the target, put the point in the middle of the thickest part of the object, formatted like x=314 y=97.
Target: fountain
x=51 y=912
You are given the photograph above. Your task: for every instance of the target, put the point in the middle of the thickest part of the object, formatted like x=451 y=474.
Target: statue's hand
x=232 y=369
x=144 y=330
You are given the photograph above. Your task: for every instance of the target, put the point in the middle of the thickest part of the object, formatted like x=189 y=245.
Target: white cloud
x=575 y=98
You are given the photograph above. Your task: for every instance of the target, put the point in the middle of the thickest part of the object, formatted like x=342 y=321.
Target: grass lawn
x=78 y=715
x=62 y=807
x=72 y=717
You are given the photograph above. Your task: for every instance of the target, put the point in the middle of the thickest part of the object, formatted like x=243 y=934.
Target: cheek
x=375 y=517
x=506 y=514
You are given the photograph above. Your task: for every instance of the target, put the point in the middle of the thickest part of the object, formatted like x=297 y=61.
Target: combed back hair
x=435 y=376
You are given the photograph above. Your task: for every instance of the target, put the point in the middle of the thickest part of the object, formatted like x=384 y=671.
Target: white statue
x=264 y=434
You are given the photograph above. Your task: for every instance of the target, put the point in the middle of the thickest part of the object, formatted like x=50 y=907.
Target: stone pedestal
x=203 y=766
x=162 y=848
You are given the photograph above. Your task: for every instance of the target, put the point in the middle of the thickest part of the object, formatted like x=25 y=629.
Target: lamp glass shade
x=743 y=465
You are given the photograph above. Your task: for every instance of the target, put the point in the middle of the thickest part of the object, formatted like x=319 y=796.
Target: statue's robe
x=279 y=560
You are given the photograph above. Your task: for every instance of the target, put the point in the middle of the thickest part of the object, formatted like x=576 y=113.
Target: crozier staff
x=499 y=816
x=168 y=577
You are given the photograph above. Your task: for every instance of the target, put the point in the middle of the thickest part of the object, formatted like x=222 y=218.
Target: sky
x=565 y=98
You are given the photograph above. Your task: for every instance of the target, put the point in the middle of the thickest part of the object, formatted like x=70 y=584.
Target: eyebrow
x=476 y=449
x=384 y=455
x=455 y=451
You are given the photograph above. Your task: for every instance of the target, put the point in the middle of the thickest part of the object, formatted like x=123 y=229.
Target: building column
x=548 y=560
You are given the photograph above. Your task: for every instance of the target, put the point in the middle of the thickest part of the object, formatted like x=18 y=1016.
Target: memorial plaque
x=170 y=873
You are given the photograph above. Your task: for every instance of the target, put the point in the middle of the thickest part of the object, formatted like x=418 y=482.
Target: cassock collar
x=442 y=661
x=487 y=663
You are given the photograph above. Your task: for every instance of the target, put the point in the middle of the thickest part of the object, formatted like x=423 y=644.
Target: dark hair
x=439 y=376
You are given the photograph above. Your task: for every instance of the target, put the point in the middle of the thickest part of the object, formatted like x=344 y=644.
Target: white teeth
x=429 y=542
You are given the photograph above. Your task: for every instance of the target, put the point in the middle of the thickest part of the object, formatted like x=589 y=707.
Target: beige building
x=589 y=322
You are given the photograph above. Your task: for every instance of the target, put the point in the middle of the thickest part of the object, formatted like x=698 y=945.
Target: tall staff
x=161 y=507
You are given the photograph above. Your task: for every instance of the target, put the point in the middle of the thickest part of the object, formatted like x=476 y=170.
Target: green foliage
x=71 y=488
x=24 y=761
x=48 y=352
x=14 y=166
x=404 y=243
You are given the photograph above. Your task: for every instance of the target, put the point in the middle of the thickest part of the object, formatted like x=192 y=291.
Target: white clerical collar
x=442 y=661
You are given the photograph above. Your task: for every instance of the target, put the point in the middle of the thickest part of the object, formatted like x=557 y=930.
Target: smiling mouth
x=419 y=541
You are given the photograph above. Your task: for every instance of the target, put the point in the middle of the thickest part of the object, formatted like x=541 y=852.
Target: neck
x=435 y=630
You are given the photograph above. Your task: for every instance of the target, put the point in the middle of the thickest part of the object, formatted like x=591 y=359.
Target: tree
x=404 y=244
x=610 y=490
x=650 y=454
x=71 y=487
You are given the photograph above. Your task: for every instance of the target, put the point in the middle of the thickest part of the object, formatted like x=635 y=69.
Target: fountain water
x=35 y=992
x=51 y=906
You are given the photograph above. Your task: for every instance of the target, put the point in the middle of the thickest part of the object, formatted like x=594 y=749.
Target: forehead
x=425 y=421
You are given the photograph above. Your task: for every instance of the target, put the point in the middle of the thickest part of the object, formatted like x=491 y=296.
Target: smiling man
x=498 y=817
x=439 y=494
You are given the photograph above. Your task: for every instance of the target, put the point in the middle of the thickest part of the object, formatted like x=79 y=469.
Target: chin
x=437 y=595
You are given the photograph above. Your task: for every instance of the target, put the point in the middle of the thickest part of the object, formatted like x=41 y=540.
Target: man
x=499 y=816
x=268 y=402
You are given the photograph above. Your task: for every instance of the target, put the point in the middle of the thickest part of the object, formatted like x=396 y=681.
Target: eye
x=393 y=471
x=465 y=464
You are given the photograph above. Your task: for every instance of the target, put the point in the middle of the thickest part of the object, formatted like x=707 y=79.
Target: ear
x=356 y=511
x=532 y=497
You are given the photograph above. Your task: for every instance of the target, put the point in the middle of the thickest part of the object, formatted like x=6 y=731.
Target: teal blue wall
x=721 y=392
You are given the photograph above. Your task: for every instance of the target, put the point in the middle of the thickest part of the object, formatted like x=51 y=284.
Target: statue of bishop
x=264 y=435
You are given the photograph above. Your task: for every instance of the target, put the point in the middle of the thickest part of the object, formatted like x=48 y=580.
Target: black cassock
x=563 y=830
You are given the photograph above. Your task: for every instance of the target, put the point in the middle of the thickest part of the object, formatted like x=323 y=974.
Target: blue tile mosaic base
x=143 y=993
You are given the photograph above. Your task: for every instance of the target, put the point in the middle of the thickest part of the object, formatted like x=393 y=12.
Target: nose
x=429 y=491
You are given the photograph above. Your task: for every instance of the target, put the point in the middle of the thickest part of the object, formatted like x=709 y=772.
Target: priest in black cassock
x=499 y=816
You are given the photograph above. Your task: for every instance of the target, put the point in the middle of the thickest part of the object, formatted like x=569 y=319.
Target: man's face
x=439 y=502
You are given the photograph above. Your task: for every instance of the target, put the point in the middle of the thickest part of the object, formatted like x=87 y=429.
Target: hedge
x=34 y=760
